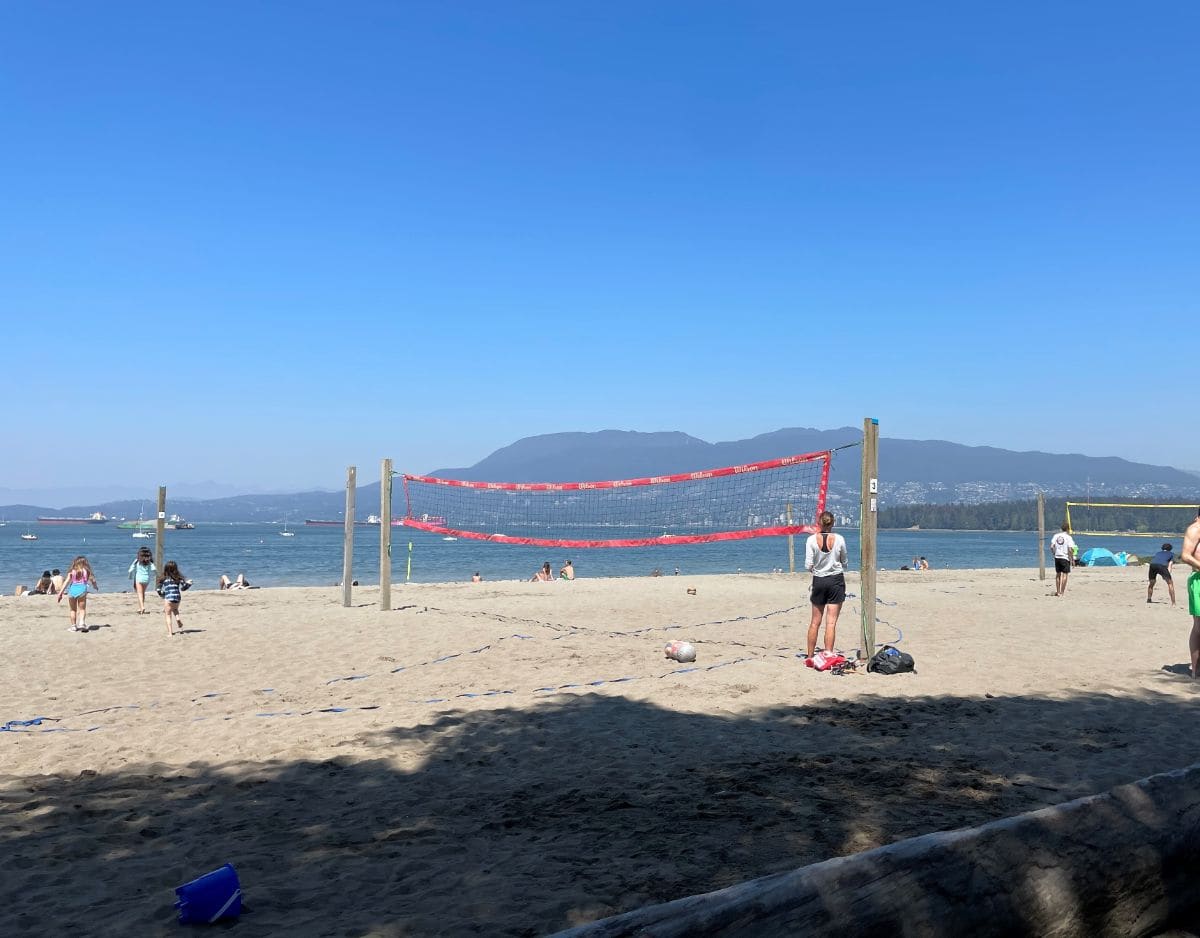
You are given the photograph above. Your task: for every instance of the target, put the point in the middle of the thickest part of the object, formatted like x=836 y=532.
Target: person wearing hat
x=1160 y=566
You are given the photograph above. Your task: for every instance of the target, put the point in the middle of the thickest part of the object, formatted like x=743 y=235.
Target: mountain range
x=910 y=472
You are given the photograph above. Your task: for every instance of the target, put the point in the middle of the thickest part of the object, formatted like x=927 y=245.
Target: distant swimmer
x=1160 y=566
x=1062 y=545
x=1191 y=542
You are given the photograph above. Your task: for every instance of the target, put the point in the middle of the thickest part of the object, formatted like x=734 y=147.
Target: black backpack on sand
x=889 y=660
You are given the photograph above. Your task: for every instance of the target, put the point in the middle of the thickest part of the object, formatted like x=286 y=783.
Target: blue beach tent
x=1102 y=557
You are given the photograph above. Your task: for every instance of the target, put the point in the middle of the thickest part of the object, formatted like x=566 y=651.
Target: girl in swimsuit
x=140 y=571
x=75 y=588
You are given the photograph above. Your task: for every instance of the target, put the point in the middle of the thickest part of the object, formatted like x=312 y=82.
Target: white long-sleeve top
x=825 y=562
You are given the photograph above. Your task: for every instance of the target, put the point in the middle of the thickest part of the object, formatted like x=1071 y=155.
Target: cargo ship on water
x=373 y=520
x=95 y=517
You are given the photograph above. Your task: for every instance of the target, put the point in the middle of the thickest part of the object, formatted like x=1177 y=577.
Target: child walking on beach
x=141 y=571
x=171 y=585
x=75 y=588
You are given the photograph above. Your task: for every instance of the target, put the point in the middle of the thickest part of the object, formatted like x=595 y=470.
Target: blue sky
x=259 y=242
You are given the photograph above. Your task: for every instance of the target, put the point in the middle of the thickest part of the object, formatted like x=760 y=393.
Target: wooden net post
x=159 y=527
x=385 y=536
x=791 y=542
x=867 y=531
x=348 y=538
x=1041 y=535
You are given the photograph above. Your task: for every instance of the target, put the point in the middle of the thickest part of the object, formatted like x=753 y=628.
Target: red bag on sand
x=824 y=660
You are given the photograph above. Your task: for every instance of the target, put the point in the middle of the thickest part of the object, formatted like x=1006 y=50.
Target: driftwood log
x=1122 y=863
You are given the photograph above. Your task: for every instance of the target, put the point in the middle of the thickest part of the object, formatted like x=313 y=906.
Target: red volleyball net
x=763 y=499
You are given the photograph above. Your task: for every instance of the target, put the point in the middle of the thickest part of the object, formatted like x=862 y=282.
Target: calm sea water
x=313 y=557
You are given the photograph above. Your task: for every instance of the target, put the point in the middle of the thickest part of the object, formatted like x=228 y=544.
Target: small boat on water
x=179 y=524
x=141 y=524
x=142 y=534
x=29 y=536
x=285 y=532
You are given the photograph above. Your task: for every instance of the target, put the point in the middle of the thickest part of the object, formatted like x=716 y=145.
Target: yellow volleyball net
x=1128 y=519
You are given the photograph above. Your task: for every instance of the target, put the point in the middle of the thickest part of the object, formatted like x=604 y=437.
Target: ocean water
x=313 y=557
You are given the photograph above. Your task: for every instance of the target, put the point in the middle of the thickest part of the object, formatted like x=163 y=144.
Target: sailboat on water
x=141 y=527
x=285 y=532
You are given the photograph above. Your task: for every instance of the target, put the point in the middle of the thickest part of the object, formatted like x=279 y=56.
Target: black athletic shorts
x=1062 y=565
x=1159 y=569
x=828 y=589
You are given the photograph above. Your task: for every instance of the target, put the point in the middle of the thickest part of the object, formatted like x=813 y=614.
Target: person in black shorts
x=825 y=557
x=1062 y=545
x=1160 y=566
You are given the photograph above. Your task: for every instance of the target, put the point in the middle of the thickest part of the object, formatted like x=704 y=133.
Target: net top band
x=623 y=483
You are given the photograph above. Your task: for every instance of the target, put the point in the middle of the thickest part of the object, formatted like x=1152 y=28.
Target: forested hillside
x=1022 y=516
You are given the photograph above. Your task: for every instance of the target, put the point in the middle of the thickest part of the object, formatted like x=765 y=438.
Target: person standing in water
x=825 y=557
x=142 y=571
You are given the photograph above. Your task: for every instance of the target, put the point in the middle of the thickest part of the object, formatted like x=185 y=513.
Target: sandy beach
x=515 y=758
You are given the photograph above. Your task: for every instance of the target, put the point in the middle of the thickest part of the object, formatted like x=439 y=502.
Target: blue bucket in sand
x=213 y=896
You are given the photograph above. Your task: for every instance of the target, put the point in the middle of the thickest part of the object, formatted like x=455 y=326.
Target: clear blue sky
x=258 y=242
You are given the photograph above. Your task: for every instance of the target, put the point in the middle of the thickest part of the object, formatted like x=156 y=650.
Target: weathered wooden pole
x=159 y=527
x=348 y=541
x=1041 y=535
x=867 y=532
x=791 y=542
x=385 y=536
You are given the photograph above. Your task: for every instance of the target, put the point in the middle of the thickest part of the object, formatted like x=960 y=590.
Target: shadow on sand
x=521 y=822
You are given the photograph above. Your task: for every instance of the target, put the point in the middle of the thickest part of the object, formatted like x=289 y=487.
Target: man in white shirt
x=1062 y=545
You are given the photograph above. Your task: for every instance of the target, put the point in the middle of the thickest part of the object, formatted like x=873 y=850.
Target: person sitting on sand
x=922 y=563
x=543 y=575
x=56 y=578
x=476 y=578
x=567 y=572
x=44 y=585
x=241 y=583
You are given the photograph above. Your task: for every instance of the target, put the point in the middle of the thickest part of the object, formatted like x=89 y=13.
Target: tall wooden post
x=348 y=542
x=791 y=542
x=1041 y=535
x=867 y=532
x=159 y=527
x=385 y=536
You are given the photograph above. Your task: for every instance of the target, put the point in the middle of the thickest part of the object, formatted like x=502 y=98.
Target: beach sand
x=463 y=789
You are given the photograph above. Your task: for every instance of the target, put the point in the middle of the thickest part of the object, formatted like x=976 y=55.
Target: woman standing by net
x=825 y=557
